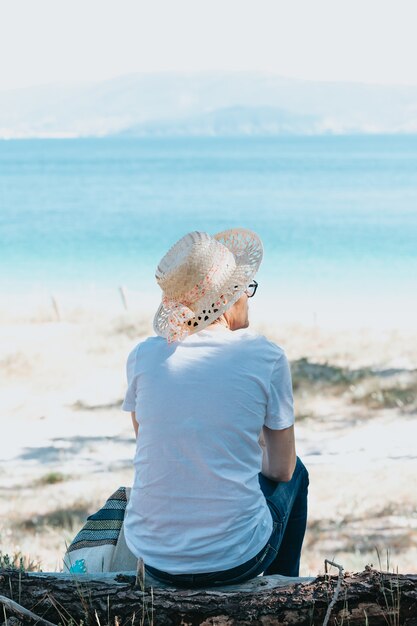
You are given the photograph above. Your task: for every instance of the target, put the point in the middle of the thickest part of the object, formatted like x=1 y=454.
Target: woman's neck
x=220 y=323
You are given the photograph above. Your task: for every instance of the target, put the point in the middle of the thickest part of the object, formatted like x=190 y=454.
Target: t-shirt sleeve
x=129 y=403
x=280 y=406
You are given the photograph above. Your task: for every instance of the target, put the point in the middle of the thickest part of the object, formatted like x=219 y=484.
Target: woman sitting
x=219 y=495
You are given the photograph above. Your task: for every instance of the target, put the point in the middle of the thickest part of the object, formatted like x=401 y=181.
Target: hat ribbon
x=179 y=314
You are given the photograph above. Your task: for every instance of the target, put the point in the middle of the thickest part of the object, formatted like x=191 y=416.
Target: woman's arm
x=135 y=424
x=279 y=456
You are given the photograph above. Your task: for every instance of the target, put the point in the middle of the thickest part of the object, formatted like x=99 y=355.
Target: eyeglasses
x=251 y=289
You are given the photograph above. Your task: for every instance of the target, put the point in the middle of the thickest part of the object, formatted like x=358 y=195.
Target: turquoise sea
x=337 y=215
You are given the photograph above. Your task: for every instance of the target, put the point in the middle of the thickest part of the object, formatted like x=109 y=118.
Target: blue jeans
x=281 y=555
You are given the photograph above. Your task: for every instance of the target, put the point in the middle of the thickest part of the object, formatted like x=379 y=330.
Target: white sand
x=61 y=386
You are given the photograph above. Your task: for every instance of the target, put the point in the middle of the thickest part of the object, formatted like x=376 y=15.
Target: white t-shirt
x=196 y=505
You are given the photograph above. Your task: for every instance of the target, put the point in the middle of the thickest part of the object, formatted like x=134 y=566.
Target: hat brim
x=247 y=249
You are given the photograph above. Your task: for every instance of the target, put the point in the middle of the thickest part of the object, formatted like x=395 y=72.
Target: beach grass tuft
x=370 y=387
x=390 y=397
x=305 y=372
x=52 y=478
x=18 y=561
x=69 y=518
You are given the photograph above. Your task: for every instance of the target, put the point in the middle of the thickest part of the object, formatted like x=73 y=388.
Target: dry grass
x=52 y=478
x=66 y=518
x=367 y=386
x=321 y=375
x=18 y=561
x=379 y=395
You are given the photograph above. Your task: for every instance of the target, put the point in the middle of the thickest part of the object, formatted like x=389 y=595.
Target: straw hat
x=201 y=277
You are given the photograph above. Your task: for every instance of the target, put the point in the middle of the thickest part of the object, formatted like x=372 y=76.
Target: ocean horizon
x=337 y=215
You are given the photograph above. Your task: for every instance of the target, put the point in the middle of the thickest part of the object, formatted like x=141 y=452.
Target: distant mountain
x=207 y=103
x=231 y=121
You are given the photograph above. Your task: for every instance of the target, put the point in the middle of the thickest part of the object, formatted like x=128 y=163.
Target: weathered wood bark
x=369 y=597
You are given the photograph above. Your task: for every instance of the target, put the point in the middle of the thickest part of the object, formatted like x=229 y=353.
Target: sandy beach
x=66 y=444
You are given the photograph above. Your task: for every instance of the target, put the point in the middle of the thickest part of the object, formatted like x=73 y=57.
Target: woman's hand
x=261 y=440
x=135 y=424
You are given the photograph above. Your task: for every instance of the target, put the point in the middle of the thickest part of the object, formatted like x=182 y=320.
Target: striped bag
x=100 y=545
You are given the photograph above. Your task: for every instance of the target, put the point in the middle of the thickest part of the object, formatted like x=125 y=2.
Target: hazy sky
x=68 y=40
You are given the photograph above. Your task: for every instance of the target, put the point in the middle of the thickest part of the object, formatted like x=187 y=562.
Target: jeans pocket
x=272 y=539
x=261 y=557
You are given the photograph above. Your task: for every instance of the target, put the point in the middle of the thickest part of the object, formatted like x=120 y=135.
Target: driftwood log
x=367 y=598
